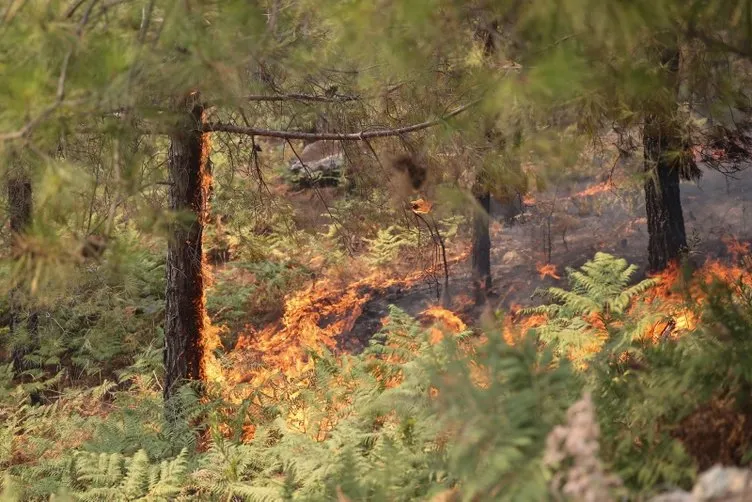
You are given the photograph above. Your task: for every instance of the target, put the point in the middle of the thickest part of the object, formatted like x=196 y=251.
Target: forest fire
x=547 y=270
x=210 y=341
x=681 y=298
x=596 y=189
x=313 y=317
x=441 y=317
x=670 y=308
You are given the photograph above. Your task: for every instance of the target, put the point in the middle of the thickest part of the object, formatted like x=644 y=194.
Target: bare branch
x=718 y=44
x=316 y=97
x=301 y=97
x=73 y=8
x=356 y=136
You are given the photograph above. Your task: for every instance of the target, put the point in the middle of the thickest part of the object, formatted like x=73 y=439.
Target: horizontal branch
x=354 y=136
x=314 y=97
x=301 y=97
x=718 y=44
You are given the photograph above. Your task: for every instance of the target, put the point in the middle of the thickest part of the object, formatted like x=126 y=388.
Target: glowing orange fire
x=210 y=341
x=596 y=189
x=547 y=269
x=421 y=206
x=445 y=318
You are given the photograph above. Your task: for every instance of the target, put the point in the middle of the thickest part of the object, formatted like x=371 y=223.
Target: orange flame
x=547 y=269
x=210 y=370
x=596 y=189
x=421 y=206
x=445 y=318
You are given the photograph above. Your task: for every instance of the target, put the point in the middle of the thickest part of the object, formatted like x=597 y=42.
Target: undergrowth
x=409 y=418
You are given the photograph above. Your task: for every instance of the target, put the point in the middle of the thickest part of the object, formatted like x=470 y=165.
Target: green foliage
x=388 y=442
x=86 y=91
x=388 y=243
x=599 y=294
x=404 y=420
x=114 y=477
x=643 y=409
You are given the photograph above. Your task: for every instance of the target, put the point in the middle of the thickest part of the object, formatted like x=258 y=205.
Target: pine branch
x=356 y=136
x=716 y=43
x=60 y=91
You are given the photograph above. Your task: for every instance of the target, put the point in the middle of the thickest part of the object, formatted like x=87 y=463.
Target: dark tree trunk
x=481 y=240
x=20 y=211
x=184 y=319
x=663 y=155
x=667 y=236
x=481 y=244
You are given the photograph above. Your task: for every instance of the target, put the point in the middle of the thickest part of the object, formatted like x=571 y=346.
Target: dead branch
x=301 y=97
x=357 y=136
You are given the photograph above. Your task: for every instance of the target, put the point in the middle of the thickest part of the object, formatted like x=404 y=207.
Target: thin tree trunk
x=480 y=252
x=20 y=207
x=663 y=153
x=184 y=319
x=481 y=243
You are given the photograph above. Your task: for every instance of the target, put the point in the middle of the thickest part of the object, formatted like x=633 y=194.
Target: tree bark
x=663 y=147
x=481 y=243
x=184 y=309
x=20 y=205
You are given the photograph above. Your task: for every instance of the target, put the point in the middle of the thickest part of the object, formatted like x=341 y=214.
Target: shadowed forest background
x=388 y=251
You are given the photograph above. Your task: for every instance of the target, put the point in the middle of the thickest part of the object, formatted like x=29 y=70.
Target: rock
x=321 y=163
x=675 y=496
x=718 y=484
x=727 y=484
x=323 y=172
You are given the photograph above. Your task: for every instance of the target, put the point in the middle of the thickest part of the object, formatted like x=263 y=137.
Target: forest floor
x=566 y=227
x=562 y=226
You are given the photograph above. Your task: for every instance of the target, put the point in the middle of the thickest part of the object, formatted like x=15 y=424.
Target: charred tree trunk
x=184 y=309
x=663 y=154
x=20 y=207
x=481 y=243
x=667 y=236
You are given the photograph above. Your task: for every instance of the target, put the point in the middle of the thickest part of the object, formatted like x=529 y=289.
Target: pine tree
x=20 y=209
x=189 y=191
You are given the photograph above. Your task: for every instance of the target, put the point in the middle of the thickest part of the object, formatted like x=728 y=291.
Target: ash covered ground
x=568 y=226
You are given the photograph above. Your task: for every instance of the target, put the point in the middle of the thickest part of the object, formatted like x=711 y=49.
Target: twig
x=440 y=241
x=718 y=44
x=667 y=330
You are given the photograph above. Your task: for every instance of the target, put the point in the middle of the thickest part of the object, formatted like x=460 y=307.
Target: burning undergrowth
x=314 y=318
x=281 y=362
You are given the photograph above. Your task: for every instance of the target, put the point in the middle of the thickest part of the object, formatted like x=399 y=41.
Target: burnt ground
x=569 y=228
